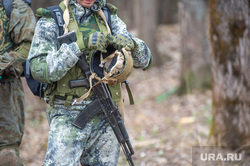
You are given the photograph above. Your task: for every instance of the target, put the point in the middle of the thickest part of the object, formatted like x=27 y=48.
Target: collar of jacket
x=81 y=13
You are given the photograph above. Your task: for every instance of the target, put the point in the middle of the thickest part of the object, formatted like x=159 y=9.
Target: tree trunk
x=125 y=10
x=230 y=39
x=195 y=72
x=148 y=26
x=168 y=11
x=142 y=17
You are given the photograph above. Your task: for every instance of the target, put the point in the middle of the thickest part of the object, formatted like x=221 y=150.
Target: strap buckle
x=59 y=17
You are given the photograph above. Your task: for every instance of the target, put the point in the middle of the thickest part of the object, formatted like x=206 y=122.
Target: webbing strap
x=101 y=13
x=68 y=100
x=74 y=26
x=57 y=13
x=66 y=16
x=130 y=96
x=106 y=59
x=107 y=16
x=84 y=96
x=8 y=7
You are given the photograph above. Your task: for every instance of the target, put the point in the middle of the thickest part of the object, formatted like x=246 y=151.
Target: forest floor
x=163 y=127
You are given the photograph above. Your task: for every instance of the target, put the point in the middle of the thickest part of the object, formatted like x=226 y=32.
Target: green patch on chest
x=90 y=27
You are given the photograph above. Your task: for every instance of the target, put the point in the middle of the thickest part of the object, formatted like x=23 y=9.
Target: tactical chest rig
x=63 y=88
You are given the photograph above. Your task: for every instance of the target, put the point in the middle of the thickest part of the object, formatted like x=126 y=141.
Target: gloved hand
x=5 y=62
x=123 y=41
x=97 y=41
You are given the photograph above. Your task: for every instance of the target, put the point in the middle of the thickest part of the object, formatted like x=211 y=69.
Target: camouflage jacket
x=21 y=27
x=45 y=45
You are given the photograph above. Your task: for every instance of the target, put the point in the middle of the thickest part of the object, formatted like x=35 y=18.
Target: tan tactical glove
x=123 y=41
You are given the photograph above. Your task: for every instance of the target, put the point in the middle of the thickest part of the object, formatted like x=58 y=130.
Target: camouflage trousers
x=95 y=145
x=11 y=121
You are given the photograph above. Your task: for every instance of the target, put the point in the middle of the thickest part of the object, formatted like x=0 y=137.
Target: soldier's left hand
x=97 y=41
x=122 y=41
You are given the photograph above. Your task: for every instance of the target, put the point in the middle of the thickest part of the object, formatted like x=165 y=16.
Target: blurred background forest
x=197 y=92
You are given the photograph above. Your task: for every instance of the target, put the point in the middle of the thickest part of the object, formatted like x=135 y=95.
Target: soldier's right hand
x=96 y=41
x=5 y=62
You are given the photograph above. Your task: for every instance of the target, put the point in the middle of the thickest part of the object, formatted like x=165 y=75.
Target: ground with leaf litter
x=162 y=126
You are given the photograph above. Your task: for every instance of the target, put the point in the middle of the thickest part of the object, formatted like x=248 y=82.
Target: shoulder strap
x=107 y=16
x=8 y=7
x=101 y=13
x=57 y=14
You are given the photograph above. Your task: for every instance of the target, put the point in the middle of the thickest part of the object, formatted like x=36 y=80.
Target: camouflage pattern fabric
x=48 y=27
x=11 y=118
x=141 y=53
x=58 y=61
x=5 y=63
x=95 y=145
x=5 y=43
x=21 y=28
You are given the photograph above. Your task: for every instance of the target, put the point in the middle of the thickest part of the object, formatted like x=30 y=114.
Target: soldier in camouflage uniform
x=15 y=39
x=56 y=65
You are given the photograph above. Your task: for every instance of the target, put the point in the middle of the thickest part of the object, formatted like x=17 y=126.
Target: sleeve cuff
x=74 y=47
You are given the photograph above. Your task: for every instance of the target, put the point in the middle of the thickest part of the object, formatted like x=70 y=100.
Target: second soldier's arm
x=21 y=29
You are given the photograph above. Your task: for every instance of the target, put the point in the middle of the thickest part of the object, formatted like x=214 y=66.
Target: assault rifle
x=103 y=103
